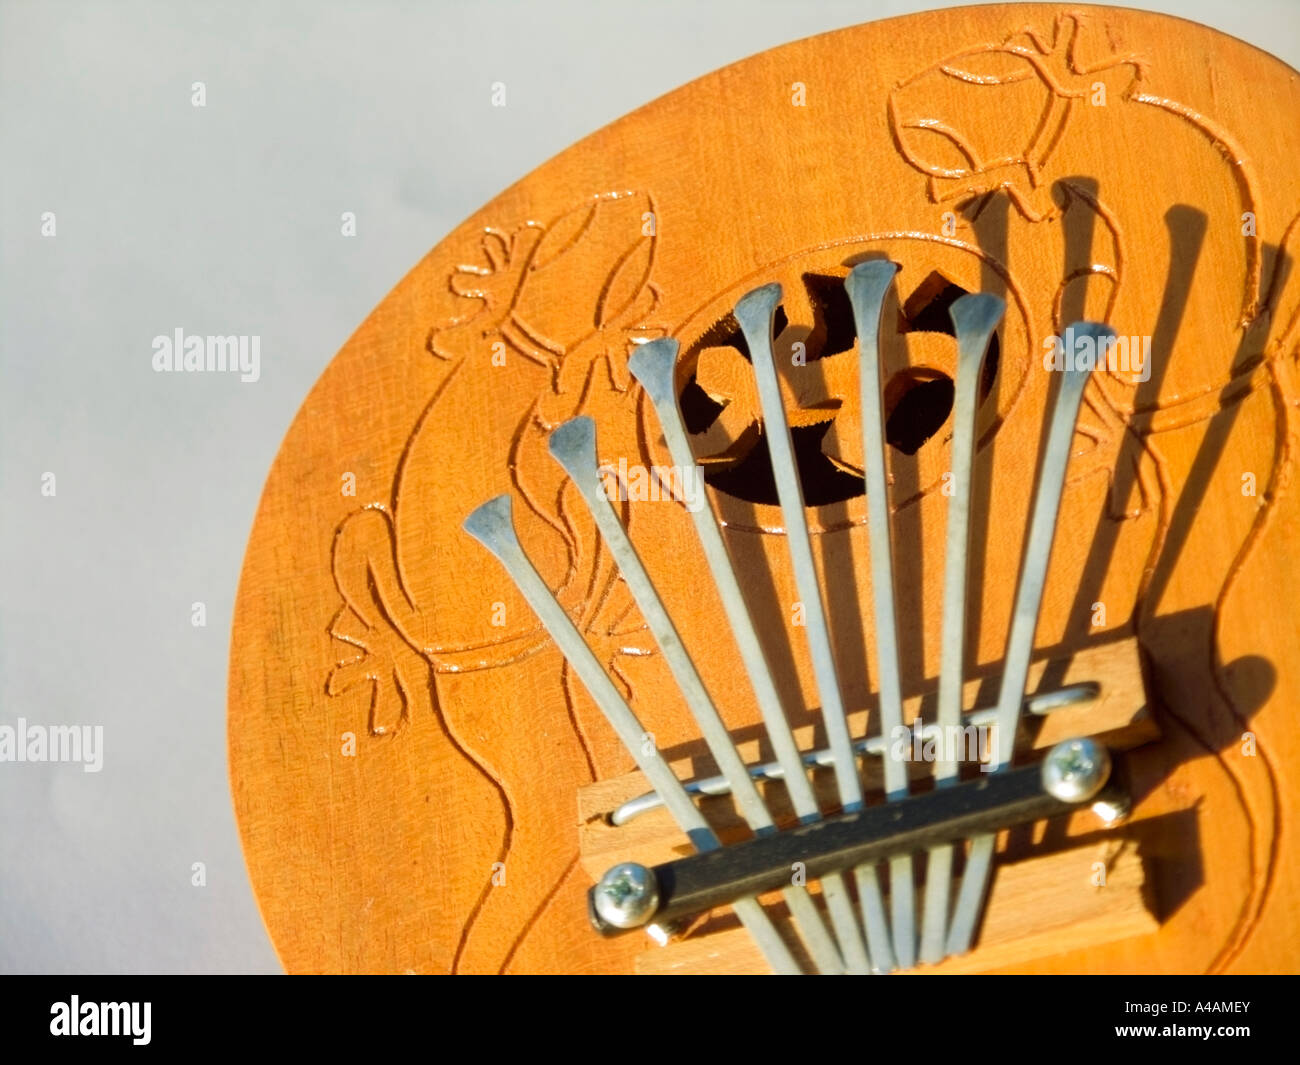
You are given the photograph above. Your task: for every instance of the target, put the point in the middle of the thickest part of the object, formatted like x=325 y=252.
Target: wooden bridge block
x=1037 y=908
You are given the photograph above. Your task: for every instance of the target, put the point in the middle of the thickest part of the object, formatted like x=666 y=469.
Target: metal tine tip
x=1024 y=618
x=654 y=366
x=492 y=525
x=573 y=446
x=755 y=313
x=974 y=319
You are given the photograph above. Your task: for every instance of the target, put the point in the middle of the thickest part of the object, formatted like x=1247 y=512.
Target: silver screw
x=627 y=895
x=1075 y=770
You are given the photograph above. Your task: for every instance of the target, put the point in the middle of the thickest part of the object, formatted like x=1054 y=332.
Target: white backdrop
x=225 y=220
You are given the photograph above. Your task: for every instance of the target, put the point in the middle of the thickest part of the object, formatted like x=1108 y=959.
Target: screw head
x=627 y=895
x=1075 y=770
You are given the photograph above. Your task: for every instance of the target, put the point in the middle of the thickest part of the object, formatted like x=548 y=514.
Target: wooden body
x=406 y=744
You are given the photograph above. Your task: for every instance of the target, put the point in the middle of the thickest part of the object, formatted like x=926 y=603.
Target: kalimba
x=884 y=454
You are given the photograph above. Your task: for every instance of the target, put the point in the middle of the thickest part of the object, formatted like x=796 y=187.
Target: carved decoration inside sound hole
x=818 y=367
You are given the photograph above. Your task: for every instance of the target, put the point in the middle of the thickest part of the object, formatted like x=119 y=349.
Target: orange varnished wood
x=374 y=615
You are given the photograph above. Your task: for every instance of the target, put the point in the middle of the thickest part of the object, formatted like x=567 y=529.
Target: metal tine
x=653 y=365
x=573 y=446
x=1024 y=618
x=492 y=526
x=867 y=285
x=755 y=313
x=974 y=317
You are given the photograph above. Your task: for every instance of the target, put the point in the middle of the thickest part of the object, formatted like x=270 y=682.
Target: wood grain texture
x=973 y=148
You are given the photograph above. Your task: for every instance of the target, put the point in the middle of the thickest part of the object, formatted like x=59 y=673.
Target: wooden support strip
x=1037 y=908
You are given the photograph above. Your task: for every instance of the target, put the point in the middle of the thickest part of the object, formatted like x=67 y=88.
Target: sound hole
x=823 y=482
x=917 y=403
x=917 y=400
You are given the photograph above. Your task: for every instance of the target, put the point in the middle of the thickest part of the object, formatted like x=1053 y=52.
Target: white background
x=225 y=220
